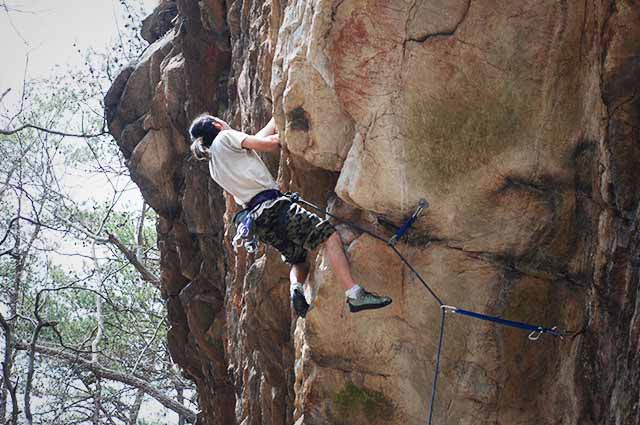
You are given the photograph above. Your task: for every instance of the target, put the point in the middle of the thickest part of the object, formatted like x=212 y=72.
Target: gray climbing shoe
x=367 y=301
x=299 y=302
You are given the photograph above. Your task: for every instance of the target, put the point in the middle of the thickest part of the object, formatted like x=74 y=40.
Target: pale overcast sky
x=47 y=30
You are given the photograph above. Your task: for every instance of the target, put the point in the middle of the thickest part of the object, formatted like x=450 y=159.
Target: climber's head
x=206 y=127
x=203 y=130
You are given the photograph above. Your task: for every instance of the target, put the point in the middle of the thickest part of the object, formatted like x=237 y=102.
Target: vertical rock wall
x=517 y=120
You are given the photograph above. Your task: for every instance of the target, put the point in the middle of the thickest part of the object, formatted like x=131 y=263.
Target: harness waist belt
x=265 y=195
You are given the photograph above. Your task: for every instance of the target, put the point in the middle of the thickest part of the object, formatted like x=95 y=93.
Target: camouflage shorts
x=291 y=229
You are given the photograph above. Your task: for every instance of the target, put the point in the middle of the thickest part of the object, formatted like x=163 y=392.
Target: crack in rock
x=445 y=33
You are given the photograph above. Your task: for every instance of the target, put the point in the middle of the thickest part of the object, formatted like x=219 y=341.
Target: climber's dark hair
x=202 y=132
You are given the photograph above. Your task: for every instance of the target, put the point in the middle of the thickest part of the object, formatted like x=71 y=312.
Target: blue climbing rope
x=535 y=331
x=437 y=366
x=415 y=272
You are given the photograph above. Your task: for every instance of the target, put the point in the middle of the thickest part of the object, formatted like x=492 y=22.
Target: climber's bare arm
x=268 y=129
x=265 y=140
x=262 y=144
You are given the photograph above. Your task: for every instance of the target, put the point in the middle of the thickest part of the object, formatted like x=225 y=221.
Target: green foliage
x=353 y=401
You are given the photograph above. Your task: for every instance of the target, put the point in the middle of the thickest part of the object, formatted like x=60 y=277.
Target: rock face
x=518 y=121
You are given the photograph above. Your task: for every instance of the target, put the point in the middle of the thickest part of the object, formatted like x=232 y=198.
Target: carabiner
x=535 y=335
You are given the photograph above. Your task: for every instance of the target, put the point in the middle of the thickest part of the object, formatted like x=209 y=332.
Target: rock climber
x=267 y=214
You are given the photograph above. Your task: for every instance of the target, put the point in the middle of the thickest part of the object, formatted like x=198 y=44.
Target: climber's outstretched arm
x=262 y=143
x=268 y=129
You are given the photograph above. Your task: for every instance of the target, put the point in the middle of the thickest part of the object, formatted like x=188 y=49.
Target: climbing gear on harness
x=365 y=300
x=244 y=219
x=299 y=302
x=535 y=331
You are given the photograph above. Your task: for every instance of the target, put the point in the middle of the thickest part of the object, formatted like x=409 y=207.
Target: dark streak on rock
x=298 y=119
x=583 y=159
x=344 y=365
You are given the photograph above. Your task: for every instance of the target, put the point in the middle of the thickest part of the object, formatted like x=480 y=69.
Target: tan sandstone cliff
x=518 y=120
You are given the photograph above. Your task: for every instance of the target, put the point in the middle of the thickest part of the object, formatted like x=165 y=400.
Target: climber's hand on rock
x=274 y=138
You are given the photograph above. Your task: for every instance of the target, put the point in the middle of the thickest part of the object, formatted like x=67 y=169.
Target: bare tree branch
x=14 y=8
x=140 y=232
x=105 y=373
x=23 y=96
x=131 y=256
x=34 y=222
x=6 y=92
x=147 y=345
x=9 y=8
x=8 y=132
x=81 y=229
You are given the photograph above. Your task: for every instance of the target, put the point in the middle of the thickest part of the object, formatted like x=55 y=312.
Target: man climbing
x=268 y=215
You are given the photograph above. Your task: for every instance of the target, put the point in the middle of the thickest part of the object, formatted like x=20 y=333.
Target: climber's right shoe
x=367 y=301
x=299 y=302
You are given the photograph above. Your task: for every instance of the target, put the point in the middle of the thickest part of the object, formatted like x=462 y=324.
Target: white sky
x=51 y=32
x=47 y=30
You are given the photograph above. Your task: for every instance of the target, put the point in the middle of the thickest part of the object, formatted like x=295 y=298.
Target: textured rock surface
x=517 y=120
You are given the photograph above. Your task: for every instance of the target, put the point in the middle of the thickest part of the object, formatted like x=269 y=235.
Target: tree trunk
x=30 y=373
x=135 y=408
x=180 y=397
x=95 y=344
x=8 y=388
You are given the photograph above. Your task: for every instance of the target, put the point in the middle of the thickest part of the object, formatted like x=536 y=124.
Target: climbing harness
x=535 y=331
x=244 y=219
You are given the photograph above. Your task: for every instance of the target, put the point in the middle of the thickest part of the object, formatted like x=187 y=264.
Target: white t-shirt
x=239 y=171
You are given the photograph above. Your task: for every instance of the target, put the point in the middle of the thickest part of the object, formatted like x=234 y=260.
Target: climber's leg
x=298 y=273
x=297 y=277
x=338 y=260
x=294 y=232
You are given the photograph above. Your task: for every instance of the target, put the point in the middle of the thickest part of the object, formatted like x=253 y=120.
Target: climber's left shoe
x=367 y=301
